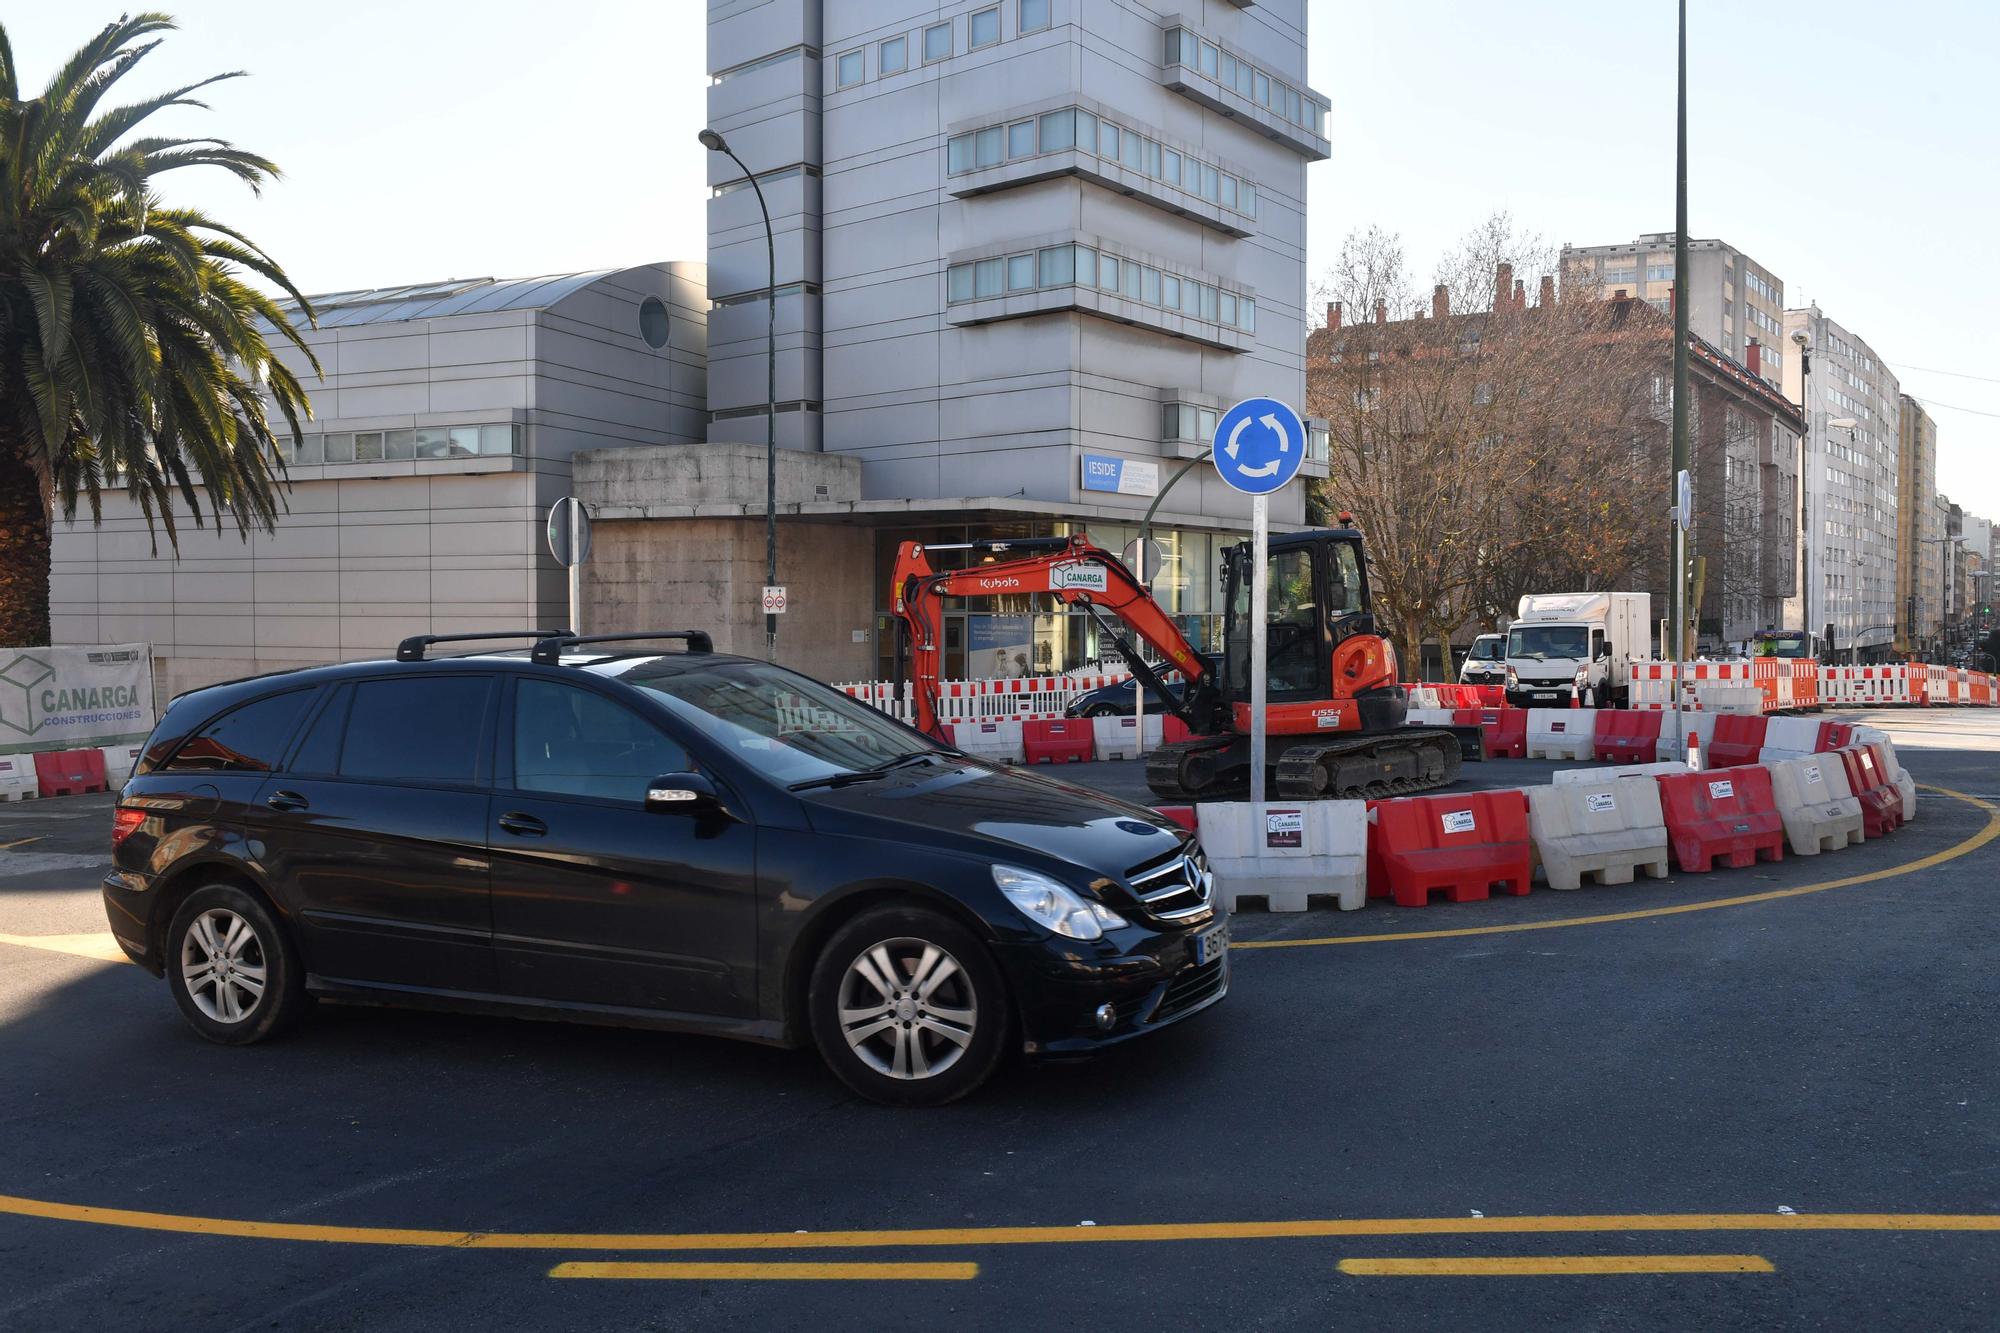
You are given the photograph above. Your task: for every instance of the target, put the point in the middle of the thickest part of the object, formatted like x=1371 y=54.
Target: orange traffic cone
x=1694 y=750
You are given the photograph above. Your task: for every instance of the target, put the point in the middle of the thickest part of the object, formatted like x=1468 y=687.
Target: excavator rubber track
x=1370 y=767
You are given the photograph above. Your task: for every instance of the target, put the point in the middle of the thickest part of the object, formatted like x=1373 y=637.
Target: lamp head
x=712 y=141
x=1798 y=335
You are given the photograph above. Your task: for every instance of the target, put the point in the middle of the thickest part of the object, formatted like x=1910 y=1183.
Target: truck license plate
x=1546 y=698
x=1210 y=945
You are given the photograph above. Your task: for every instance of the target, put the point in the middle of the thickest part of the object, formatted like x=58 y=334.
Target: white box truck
x=1577 y=645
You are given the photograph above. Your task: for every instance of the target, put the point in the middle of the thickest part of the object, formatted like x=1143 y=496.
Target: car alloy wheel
x=907 y=1009
x=223 y=965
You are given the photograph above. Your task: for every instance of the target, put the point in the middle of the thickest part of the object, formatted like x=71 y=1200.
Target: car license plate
x=1210 y=945
x=1546 y=698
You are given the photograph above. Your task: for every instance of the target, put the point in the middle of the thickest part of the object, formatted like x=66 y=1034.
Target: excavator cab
x=1317 y=600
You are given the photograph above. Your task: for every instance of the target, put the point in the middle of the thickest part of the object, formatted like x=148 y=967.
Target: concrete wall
x=707 y=573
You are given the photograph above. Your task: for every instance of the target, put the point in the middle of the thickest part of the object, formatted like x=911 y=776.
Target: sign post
x=569 y=543
x=1143 y=556
x=1259 y=446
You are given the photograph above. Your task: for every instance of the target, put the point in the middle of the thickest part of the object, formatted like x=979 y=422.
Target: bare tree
x=1488 y=445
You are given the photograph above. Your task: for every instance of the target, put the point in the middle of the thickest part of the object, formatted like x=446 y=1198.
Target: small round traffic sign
x=1260 y=445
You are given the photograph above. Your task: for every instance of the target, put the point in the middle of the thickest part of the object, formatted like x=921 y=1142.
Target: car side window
x=415 y=729
x=570 y=741
x=247 y=739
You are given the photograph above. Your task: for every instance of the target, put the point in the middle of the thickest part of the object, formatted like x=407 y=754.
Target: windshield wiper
x=869 y=774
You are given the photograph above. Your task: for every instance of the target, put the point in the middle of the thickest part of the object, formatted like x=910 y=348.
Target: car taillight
x=125 y=822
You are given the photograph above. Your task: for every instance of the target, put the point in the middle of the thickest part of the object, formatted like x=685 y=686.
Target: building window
x=1107 y=140
x=1149 y=286
x=654 y=325
x=992 y=147
x=1086 y=266
x=1058 y=131
x=1210 y=57
x=1031 y=16
x=848 y=69
x=958 y=283
x=1170 y=291
x=958 y=154
x=988 y=276
x=1020 y=273
x=1229 y=309
x=1107 y=272
x=937 y=42
x=1058 y=266
x=893 y=57
x=1170 y=167
x=1021 y=139
x=1263 y=86
x=984 y=28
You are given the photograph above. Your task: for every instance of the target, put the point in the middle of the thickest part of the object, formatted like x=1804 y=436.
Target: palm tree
x=131 y=353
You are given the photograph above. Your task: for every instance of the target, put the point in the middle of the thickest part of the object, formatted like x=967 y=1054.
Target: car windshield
x=1542 y=642
x=790 y=728
x=1487 y=650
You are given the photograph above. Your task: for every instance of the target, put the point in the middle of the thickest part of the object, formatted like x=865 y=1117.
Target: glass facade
x=1239 y=76
x=1084 y=266
x=428 y=442
x=1120 y=146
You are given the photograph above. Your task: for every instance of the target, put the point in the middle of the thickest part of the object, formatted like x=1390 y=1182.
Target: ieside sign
x=1120 y=476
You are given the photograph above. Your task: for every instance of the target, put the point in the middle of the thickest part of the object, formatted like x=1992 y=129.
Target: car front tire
x=907 y=1007
x=232 y=969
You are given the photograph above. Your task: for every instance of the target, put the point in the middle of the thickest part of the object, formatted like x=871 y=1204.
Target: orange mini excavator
x=1334 y=712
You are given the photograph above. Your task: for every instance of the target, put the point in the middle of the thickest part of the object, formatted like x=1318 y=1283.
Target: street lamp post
x=714 y=143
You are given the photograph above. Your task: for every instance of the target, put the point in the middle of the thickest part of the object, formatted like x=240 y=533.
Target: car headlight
x=1047 y=903
x=1582 y=674
x=1513 y=676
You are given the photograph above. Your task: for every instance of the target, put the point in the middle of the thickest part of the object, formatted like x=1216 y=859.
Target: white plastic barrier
x=1675 y=728
x=1610 y=772
x=1607 y=830
x=1302 y=851
x=1729 y=698
x=1427 y=717
x=1789 y=738
x=1906 y=786
x=1562 y=733
x=119 y=761
x=998 y=740
x=17 y=778
x=1820 y=811
x=1120 y=737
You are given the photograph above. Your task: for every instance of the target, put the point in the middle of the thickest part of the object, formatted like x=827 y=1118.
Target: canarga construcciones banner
x=75 y=698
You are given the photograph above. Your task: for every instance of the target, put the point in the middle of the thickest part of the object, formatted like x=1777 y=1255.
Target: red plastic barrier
x=1468 y=717
x=1834 y=736
x=1729 y=815
x=1628 y=738
x=1736 y=740
x=1180 y=814
x=1462 y=845
x=1504 y=732
x=70 y=772
x=1059 y=740
x=1881 y=803
x=1491 y=696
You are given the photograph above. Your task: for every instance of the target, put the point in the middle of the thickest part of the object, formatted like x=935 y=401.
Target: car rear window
x=247 y=739
x=416 y=729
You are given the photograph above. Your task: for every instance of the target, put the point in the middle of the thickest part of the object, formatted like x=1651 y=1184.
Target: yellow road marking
x=1557 y=1265
x=91 y=944
x=1018 y=1235
x=672 y=1272
x=19 y=842
x=1972 y=844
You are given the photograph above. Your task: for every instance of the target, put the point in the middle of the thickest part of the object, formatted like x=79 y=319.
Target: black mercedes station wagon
x=676 y=839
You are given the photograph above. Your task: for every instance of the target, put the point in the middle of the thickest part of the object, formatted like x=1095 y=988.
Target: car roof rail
x=550 y=650
x=412 y=648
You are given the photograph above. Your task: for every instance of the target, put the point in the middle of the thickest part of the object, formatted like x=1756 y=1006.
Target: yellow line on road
x=1986 y=834
x=1568 y=1265
x=1017 y=1235
x=91 y=944
x=691 y=1272
x=19 y=842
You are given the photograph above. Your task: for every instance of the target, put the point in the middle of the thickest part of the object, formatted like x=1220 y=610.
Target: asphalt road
x=1805 y=1084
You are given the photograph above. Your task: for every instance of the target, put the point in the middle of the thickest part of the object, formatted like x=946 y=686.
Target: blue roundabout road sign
x=1259 y=445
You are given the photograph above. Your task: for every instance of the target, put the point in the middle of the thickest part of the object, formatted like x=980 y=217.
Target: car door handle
x=526 y=826
x=286 y=800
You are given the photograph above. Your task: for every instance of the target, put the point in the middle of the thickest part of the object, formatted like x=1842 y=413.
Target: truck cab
x=1576 y=647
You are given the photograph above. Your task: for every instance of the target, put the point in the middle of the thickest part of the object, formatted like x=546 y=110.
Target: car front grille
x=1174 y=887
x=1193 y=987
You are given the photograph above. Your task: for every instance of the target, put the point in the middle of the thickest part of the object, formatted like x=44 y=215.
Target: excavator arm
x=1073 y=570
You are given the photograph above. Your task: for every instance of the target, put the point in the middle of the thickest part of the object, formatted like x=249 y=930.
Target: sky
x=1850 y=148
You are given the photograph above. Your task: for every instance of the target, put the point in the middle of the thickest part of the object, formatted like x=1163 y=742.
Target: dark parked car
x=679 y=839
x=1117 y=700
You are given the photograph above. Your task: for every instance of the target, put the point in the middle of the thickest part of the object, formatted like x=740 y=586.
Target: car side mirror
x=1603 y=651
x=684 y=794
